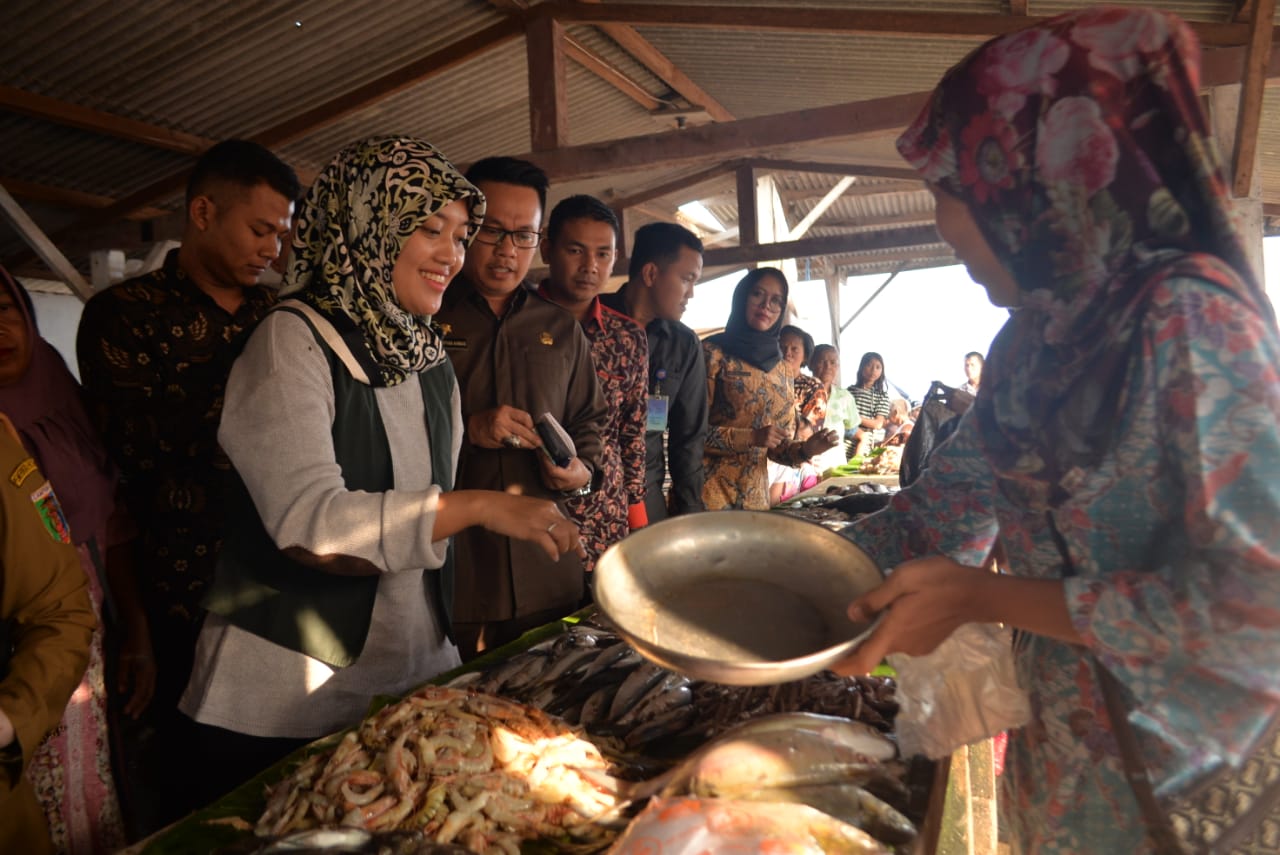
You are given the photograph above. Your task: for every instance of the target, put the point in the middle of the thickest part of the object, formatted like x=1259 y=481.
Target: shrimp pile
x=458 y=766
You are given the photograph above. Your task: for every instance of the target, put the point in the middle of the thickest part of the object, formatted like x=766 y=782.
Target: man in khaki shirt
x=46 y=623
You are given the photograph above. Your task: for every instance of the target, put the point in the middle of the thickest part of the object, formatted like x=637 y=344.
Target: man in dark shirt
x=154 y=354
x=580 y=249
x=666 y=262
x=516 y=356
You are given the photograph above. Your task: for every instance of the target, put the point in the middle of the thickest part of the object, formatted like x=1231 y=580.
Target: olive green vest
x=323 y=615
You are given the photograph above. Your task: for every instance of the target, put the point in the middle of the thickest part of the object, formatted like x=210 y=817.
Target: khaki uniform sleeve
x=43 y=594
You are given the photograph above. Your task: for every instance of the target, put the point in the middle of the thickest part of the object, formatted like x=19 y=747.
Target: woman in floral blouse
x=1124 y=449
x=751 y=400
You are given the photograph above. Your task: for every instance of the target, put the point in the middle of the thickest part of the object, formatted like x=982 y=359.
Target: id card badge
x=657 y=418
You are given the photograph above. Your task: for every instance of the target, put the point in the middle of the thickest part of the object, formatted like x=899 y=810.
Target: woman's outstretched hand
x=536 y=520
x=923 y=602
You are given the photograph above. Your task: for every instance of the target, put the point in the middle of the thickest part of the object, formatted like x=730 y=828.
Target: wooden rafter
x=326 y=114
x=858 y=190
x=72 y=198
x=609 y=73
x=815 y=213
x=436 y=62
x=766 y=164
x=548 y=100
x=854 y=120
x=829 y=245
x=748 y=213
x=1243 y=11
x=800 y=19
x=1249 y=116
x=1018 y=7
x=42 y=246
x=98 y=122
x=666 y=188
x=643 y=51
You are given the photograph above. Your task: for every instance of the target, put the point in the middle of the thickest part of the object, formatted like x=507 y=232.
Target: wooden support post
x=38 y=241
x=1249 y=115
x=1224 y=106
x=548 y=102
x=834 y=280
x=748 y=219
x=623 y=232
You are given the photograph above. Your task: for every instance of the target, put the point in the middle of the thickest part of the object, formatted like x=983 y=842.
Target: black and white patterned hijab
x=351 y=228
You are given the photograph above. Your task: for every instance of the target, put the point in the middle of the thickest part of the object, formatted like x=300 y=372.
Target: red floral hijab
x=1080 y=149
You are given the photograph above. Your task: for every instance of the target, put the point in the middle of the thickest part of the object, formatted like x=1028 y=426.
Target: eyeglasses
x=773 y=301
x=520 y=238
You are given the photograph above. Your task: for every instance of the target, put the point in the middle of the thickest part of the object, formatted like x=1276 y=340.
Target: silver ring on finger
x=552 y=527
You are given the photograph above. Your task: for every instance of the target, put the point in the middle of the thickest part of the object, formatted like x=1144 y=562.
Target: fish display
x=458 y=766
x=590 y=677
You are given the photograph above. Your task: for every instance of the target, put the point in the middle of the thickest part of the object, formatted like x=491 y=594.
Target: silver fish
x=568 y=662
x=637 y=684
x=668 y=693
x=673 y=721
x=533 y=668
x=596 y=705
x=847 y=803
x=605 y=658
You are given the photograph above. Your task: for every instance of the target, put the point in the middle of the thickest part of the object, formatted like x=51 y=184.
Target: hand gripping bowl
x=744 y=598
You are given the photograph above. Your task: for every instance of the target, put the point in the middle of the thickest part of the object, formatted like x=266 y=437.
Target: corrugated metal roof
x=236 y=67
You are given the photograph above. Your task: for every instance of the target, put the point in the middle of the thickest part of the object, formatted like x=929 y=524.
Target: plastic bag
x=691 y=826
x=964 y=691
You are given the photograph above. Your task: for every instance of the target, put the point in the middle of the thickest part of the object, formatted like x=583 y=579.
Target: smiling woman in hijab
x=751 y=399
x=343 y=420
x=1124 y=450
x=71 y=769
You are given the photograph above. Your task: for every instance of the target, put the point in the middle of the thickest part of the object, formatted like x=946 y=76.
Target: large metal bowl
x=738 y=597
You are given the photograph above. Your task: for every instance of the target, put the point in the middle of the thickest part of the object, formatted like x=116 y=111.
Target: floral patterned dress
x=1174 y=579
x=740 y=399
x=71 y=770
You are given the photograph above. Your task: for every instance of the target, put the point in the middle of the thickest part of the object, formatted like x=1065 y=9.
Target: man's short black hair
x=245 y=164
x=659 y=243
x=581 y=207
x=511 y=170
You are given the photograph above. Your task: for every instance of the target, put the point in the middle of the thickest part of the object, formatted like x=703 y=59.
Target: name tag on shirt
x=657 y=413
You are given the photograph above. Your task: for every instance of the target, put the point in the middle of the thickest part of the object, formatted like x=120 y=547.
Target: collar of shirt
x=466 y=290
x=594 y=313
x=173 y=277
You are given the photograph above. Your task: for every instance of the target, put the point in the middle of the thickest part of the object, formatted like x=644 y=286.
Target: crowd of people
x=262 y=509
x=287 y=503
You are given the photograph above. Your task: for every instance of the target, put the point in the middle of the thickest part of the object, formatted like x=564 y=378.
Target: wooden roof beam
x=548 y=98
x=1018 y=7
x=1249 y=116
x=747 y=138
x=853 y=120
x=333 y=110
x=765 y=164
x=99 y=122
x=71 y=198
x=858 y=190
x=666 y=188
x=961 y=25
x=610 y=73
x=829 y=245
x=42 y=246
x=642 y=52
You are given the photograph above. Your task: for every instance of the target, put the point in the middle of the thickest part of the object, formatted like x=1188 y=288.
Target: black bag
x=939 y=414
